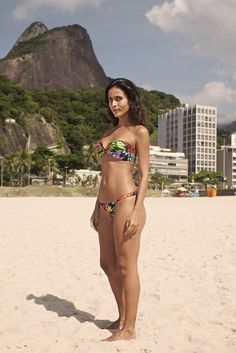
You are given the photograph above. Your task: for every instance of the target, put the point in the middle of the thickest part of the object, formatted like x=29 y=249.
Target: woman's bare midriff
x=116 y=180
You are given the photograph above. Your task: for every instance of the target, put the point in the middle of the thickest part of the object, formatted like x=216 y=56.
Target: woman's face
x=118 y=102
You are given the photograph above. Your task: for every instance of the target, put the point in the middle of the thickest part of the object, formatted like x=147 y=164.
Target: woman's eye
x=116 y=99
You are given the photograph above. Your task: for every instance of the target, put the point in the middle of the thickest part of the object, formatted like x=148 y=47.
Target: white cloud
x=27 y=8
x=168 y=16
x=213 y=93
x=209 y=25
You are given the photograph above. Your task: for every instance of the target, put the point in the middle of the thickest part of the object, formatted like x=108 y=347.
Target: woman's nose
x=114 y=103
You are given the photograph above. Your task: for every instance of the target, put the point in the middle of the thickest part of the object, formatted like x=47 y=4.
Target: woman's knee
x=109 y=268
x=127 y=269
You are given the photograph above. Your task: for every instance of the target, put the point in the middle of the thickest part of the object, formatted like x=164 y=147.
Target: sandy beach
x=55 y=298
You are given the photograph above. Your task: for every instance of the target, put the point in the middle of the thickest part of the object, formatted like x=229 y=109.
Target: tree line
x=19 y=168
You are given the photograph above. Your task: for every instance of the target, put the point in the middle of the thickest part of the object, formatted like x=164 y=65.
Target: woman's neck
x=124 y=121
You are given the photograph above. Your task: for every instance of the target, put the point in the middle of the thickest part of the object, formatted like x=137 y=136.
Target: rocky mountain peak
x=35 y=29
x=58 y=58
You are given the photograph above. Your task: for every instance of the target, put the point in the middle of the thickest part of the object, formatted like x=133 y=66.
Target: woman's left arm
x=142 y=147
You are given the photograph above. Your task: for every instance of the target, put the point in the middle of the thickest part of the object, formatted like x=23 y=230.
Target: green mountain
x=80 y=115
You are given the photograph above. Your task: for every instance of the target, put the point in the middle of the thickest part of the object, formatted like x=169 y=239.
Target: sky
x=182 y=47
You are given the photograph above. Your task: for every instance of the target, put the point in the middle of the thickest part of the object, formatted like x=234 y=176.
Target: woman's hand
x=94 y=220
x=131 y=224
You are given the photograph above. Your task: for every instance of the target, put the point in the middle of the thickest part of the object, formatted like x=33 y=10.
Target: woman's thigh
x=106 y=239
x=127 y=247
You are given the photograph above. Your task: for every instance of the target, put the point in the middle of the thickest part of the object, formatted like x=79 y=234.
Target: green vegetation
x=80 y=114
x=209 y=178
x=22 y=48
x=223 y=138
x=157 y=102
x=157 y=180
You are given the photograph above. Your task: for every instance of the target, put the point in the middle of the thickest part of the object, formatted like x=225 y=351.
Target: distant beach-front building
x=191 y=130
x=233 y=139
x=171 y=164
x=226 y=162
x=85 y=177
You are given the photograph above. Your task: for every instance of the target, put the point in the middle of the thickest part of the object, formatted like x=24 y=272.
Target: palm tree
x=11 y=165
x=50 y=168
x=90 y=157
x=25 y=164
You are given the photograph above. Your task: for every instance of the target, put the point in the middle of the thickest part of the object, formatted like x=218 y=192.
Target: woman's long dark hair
x=137 y=113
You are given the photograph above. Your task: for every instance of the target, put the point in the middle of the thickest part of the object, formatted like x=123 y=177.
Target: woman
x=119 y=214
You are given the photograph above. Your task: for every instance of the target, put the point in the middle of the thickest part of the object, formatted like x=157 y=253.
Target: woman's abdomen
x=115 y=183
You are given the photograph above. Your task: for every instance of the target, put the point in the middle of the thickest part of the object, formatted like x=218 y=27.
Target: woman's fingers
x=130 y=229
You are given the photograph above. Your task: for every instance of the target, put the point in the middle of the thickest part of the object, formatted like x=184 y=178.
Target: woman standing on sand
x=119 y=214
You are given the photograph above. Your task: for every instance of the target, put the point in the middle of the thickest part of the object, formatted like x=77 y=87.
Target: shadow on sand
x=67 y=309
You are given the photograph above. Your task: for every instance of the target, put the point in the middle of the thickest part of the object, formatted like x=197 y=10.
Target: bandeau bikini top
x=119 y=149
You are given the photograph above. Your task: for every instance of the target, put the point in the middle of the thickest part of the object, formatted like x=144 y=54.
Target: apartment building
x=191 y=130
x=226 y=162
x=171 y=164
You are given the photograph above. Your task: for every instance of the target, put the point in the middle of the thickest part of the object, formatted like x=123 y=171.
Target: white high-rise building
x=226 y=162
x=233 y=139
x=191 y=130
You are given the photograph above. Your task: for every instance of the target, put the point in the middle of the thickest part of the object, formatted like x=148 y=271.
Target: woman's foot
x=118 y=324
x=121 y=335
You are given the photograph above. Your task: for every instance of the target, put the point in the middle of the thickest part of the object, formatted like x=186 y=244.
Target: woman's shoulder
x=141 y=131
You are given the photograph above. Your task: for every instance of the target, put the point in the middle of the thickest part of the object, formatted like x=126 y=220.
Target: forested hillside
x=80 y=114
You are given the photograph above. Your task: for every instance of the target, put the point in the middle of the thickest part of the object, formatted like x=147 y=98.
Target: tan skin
x=119 y=236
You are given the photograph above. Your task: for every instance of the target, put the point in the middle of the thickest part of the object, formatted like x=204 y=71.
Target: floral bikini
x=123 y=151
x=119 y=149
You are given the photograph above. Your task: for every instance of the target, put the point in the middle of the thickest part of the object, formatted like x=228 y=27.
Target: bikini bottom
x=110 y=207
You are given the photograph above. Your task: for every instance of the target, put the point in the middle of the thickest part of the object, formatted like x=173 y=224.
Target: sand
x=54 y=298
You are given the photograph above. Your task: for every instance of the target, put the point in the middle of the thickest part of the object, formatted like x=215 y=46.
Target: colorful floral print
x=110 y=207
x=118 y=149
